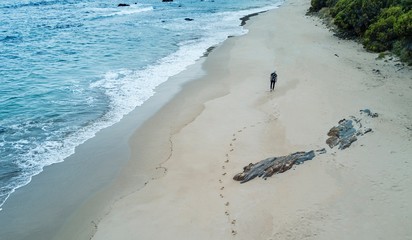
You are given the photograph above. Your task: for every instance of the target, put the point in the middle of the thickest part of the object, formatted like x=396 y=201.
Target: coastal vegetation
x=381 y=25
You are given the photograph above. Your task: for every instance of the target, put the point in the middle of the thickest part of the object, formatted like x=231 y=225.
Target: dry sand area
x=178 y=183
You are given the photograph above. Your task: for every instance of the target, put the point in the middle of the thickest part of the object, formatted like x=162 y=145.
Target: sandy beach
x=177 y=180
x=227 y=119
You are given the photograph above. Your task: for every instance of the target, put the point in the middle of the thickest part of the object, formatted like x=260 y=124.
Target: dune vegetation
x=381 y=25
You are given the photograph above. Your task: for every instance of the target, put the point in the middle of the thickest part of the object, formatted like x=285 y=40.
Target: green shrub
x=403 y=26
x=355 y=16
x=316 y=5
x=331 y=3
x=382 y=24
x=381 y=35
x=406 y=4
x=403 y=48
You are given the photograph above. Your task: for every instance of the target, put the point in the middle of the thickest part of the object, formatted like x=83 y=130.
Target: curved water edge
x=124 y=89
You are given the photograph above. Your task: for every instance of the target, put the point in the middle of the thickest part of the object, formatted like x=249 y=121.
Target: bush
x=382 y=24
x=406 y=4
x=403 y=26
x=317 y=5
x=381 y=35
x=331 y=3
x=404 y=50
x=355 y=16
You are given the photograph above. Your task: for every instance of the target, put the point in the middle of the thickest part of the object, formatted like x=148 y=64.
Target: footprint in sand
x=227 y=203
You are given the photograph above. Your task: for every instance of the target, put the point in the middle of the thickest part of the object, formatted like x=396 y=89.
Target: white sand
x=360 y=193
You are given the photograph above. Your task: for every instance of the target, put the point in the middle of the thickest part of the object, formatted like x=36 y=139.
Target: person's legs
x=272 y=85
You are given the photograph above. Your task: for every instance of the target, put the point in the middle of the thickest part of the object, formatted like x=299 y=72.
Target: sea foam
x=124 y=88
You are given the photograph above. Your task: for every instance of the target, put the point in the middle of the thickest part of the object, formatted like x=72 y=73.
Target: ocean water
x=69 y=68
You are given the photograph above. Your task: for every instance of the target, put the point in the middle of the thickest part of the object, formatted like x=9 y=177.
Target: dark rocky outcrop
x=342 y=135
x=369 y=113
x=123 y=5
x=247 y=17
x=189 y=19
x=348 y=130
x=274 y=165
x=167 y=0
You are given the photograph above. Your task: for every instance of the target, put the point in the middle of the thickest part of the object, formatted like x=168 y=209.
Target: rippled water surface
x=69 y=68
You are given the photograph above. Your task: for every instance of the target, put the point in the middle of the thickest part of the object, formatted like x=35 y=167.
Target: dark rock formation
x=343 y=135
x=208 y=51
x=123 y=5
x=377 y=71
x=167 y=0
x=247 y=17
x=189 y=19
x=348 y=130
x=369 y=113
x=274 y=165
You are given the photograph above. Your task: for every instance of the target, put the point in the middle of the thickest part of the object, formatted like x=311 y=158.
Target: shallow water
x=69 y=68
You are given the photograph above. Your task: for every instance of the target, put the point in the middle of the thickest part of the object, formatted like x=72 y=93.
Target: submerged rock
x=123 y=5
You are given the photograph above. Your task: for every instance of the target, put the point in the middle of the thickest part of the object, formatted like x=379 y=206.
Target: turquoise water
x=69 y=68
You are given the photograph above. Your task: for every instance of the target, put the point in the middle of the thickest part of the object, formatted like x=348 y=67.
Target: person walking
x=273 y=79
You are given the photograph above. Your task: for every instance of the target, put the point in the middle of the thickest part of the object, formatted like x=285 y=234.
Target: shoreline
x=172 y=166
x=229 y=118
x=59 y=209
x=97 y=124
x=27 y=205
